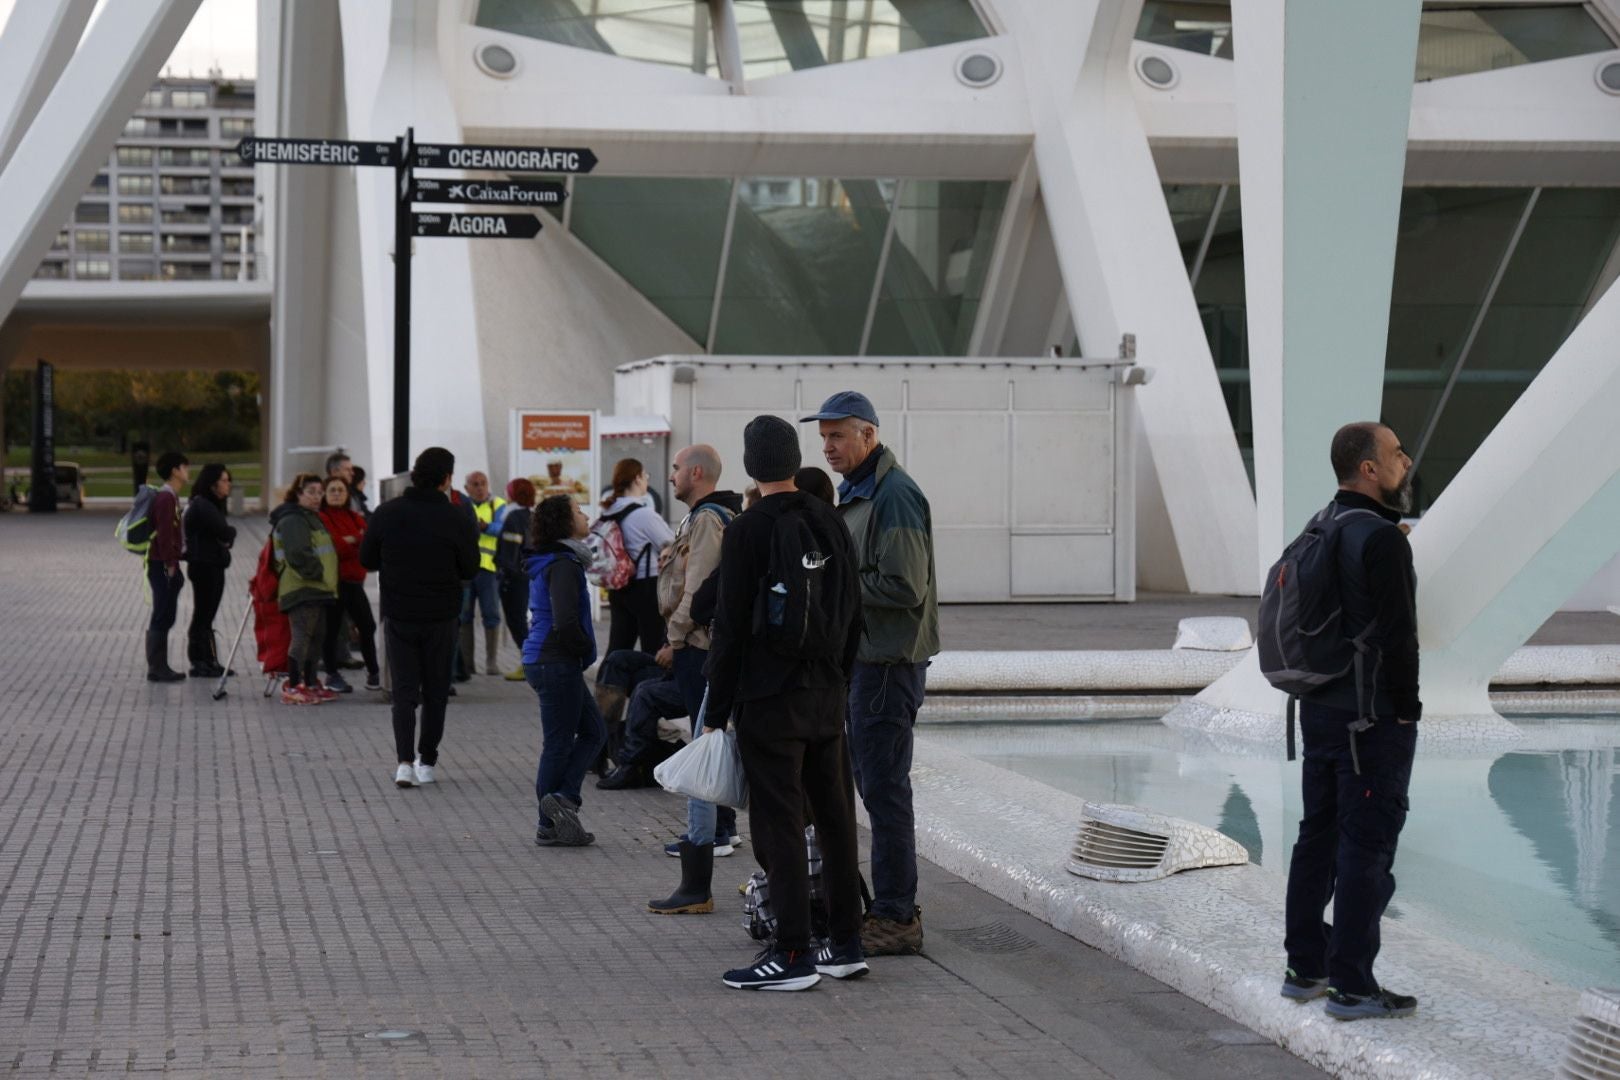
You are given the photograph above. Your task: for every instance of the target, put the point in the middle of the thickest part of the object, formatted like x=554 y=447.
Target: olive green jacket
x=306 y=557
x=893 y=530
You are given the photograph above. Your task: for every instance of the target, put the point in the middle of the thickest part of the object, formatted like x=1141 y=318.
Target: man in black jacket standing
x=425 y=550
x=790 y=713
x=1355 y=778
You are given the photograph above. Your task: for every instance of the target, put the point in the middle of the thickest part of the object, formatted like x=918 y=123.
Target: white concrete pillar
x=1123 y=273
x=75 y=129
x=1324 y=94
x=38 y=39
x=1530 y=518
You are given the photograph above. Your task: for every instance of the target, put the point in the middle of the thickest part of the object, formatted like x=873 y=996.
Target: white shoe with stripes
x=776 y=969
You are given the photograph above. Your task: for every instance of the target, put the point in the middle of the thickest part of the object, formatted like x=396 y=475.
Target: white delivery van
x=1027 y=464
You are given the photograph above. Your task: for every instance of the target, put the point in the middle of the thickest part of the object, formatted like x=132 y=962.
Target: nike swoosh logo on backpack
x=815 y=560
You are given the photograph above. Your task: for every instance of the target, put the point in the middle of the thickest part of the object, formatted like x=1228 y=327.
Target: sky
x=222 y=33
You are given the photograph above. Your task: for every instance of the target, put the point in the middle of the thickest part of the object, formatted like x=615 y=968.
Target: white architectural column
x=39 y=38
x=1324 y=97
x=1530 y=518
x=74 y=131
x=1123 y=273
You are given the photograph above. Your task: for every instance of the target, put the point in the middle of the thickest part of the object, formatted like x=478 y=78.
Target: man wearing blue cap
x=890 y=522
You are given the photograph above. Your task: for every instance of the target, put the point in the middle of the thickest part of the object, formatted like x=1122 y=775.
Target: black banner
x=42 y=486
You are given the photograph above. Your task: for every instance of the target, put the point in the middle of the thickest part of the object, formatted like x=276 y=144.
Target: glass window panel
x=92 y=269
x=1460 y=42
x=1455 y=40
x=134 y=155
x=1190 y=25
x=137 y=269
x=135 y=243
x=129 y=214
x=187 y=243
x=779 y=36
x=944 y=235
x=662 y=235
x=92 y=240
x=231 y=127
x=1548 y=284
x=1448 y=246
x=676 y=33
x=51 y=271
x=92 y=213
x=135 y=185
x=803 y=262
x=198 y=271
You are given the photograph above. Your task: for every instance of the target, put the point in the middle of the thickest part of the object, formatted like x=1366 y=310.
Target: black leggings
x=634 y=614
x=353 y=602
x=207 y=589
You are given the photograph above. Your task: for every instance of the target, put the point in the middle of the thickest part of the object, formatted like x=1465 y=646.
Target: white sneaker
x=405 y=776
x=424 y=773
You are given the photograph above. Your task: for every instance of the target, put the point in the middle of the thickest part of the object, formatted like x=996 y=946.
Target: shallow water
x=1515 y=854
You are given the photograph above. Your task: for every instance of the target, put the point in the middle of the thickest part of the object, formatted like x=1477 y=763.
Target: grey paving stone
x=199 y=888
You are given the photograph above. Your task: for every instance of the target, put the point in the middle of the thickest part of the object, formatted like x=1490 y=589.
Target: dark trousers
x=571 y=730
x=207 y=590
x=794 y=755
x=633 y=615
x=353 y=602
x=883 y=704
x=307 y=622
x=653 y=700
x=688 y=672
x=165 y=589
x=628 y=669
x=419 y=664
x=1346 y=845
x=515 y=606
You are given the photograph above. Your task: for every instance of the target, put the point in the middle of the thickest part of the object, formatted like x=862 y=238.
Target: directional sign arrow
x=489 y=226
x=490 y=192
x=256 y=151
x=547 y=159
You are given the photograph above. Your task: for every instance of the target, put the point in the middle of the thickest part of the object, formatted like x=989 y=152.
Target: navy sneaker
x=338 y=684
x=1297 y=987
x=1380 y=1005
x=842 y=961
x=776 y=969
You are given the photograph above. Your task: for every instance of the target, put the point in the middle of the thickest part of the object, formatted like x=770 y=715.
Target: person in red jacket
x=348 y=528
x=163 y=558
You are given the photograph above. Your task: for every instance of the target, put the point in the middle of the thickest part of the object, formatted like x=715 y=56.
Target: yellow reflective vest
x=487 y=543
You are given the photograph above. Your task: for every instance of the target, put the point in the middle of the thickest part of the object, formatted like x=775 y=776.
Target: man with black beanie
x=425 y=550
x=783 y=645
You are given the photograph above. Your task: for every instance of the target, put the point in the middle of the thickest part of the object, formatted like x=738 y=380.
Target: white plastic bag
x=709 y=769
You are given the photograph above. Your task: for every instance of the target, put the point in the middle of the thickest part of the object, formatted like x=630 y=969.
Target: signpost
x=495 y=226
x=490 y=192
x=405 y=155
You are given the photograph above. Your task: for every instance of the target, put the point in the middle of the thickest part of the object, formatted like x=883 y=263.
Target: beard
x=1398 y=498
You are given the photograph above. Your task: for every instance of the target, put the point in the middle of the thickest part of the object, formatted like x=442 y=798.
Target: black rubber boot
x=697 y=874
x=157 y=659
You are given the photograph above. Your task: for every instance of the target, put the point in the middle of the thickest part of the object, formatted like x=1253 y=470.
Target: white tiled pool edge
x=1216 y=935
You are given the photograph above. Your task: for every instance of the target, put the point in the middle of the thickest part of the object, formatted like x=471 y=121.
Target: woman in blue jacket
x=560 y=646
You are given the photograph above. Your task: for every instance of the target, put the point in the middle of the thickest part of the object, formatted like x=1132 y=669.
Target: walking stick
x=219 y=688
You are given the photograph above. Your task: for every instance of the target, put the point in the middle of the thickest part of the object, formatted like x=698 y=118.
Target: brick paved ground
x=204 y=889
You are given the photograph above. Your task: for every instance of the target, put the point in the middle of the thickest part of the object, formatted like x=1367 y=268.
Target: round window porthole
x=1157 y=72
x=1608 y=77
x=978 y=69
x=496 y=60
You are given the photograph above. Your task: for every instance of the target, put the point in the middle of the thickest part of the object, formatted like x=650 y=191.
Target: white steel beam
x=75 y=129
x=38 y=39
x=1123 y=272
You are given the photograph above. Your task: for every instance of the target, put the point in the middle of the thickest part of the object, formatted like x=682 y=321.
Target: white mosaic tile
x=1216 y=935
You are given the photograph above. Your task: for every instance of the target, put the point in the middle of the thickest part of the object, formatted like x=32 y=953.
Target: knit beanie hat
x=770 y=449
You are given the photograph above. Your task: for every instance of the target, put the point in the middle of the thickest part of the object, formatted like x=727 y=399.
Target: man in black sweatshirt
x=425 y=550
x=1355 y=773
x=789 y=709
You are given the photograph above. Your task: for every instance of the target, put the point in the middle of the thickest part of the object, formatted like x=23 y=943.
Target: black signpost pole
x=42 y=487
x=403 y=177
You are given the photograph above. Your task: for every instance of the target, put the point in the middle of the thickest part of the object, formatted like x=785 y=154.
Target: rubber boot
x=466 y=654
x=157 y=659
x=492 y=651
x=697 y=874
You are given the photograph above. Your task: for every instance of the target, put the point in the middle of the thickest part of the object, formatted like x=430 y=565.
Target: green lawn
x=107 y=474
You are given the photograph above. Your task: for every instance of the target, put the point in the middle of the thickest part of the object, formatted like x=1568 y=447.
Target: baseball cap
x=846 y=405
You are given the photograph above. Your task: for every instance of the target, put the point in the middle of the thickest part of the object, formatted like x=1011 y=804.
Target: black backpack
x=1300 y=639
x=808 y=598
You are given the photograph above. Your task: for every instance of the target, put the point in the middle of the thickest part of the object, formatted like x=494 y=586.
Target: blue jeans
x=707 y=818
x=486 y=589
x=1346 y=845
x=571 y=730
x=883 y=704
